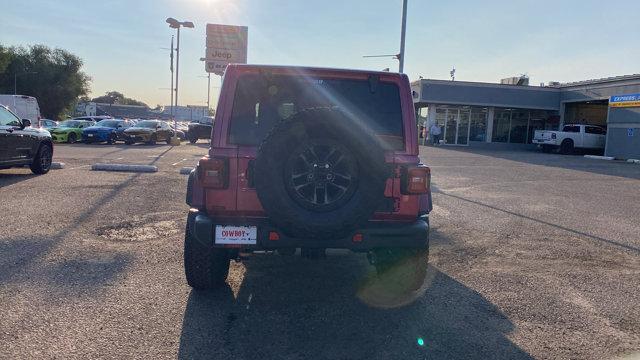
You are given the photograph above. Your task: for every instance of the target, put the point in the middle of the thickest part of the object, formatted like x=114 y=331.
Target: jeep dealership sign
x=226 y=44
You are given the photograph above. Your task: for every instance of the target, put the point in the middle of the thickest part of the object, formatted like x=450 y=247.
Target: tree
x=53 y=76
x=5 y=58
x=115 y=97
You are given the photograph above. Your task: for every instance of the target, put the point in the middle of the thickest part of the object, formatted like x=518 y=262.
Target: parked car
x=108 y=130
x=25 y=107
x=148 y=131
x=48 y=124
x=92 y=118
x=328 y=159
x=571 y=137
x=200 y=129
x=180 y=131
x=70 y=130
x=22 y=145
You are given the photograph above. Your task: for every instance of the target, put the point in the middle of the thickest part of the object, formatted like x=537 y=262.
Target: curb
x=599 y=157
x=57 y=165
x=186 y=170
x=124 y=168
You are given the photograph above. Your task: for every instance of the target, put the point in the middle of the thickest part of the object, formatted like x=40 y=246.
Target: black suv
x=21 y=145
x=200 y=129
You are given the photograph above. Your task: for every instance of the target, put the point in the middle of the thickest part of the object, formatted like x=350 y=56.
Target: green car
x=70 y=130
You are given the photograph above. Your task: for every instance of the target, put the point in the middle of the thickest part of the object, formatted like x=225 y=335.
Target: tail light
x=213 y=172
x=417 y=180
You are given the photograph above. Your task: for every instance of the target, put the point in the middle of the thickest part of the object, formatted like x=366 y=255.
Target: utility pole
x=403 y=34
x=172 y=88
x=175 y=24
x=208 y=93
x=177 y=65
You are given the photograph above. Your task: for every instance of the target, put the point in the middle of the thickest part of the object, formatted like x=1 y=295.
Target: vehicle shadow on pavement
x=22 y=258
x=297 y=309
x=13 y=176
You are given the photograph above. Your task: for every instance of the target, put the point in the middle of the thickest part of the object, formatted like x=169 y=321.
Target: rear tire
x=168 y=139
x=566 y=147
x=152 y=139
x=112 y=139
x=192 y=139
x=205 y=267
x=72 y=138
x=42 y=161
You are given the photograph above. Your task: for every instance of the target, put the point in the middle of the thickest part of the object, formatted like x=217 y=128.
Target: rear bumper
x=551 y=142
x=137 y=137
x=95 y=136
x=375 y=235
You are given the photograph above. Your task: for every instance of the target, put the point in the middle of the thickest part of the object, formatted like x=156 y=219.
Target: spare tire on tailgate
x=320 y=173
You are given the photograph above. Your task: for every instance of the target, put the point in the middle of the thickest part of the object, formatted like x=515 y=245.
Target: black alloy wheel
x=322 y=175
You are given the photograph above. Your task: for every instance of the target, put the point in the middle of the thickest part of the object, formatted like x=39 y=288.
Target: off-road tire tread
x=282 y=216
x=205 y=267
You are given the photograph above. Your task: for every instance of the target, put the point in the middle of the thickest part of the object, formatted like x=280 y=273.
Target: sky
x=125 y=43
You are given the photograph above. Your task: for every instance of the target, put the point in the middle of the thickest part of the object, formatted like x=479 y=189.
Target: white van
x=26 y=107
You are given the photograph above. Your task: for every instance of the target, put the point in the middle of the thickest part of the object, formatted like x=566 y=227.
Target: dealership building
x=472 y=113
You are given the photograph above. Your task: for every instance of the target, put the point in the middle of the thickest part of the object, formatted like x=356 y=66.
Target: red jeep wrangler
x=308 y=158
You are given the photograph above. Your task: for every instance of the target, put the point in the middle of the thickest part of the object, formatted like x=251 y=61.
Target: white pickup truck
x=571 y=137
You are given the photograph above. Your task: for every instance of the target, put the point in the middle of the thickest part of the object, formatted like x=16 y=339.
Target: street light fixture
x=15 y=80
x=175 y=24
x=403 y=34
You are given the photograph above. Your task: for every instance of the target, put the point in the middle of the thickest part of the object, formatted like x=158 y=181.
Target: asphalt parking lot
x=532 y=256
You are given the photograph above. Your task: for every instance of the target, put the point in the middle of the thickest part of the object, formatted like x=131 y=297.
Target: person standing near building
x=435 y=131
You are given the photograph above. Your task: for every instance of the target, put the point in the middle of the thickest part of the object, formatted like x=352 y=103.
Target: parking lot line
x=178 y=162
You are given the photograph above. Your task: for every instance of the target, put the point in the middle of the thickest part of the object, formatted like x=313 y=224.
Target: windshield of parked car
x=7 y=118
x=109 y=123
x=148 y=124
x=71 y=124
x=260 y=103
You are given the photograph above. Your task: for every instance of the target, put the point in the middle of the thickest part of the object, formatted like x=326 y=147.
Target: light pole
x=172 y=88
x=208 y=90
x=208 y=93
x=15 y=80
x=403 y=35
x=175 y=24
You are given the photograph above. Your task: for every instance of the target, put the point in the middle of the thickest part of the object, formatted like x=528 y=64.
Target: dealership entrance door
x=455 y=123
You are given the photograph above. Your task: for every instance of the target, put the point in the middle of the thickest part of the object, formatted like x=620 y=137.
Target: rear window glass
x=261 y=102
x=571 y=128
x=595 y=130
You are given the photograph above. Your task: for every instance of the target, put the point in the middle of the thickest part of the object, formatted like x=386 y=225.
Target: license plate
x=243 y=235
x=90 y=135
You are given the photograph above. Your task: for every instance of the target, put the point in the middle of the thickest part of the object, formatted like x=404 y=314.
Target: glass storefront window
x=463 y=126
x=450 y=128
x=478 y=124
x=537 y=121
x=440 y=116
x=501 y=125
x=519 y=123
